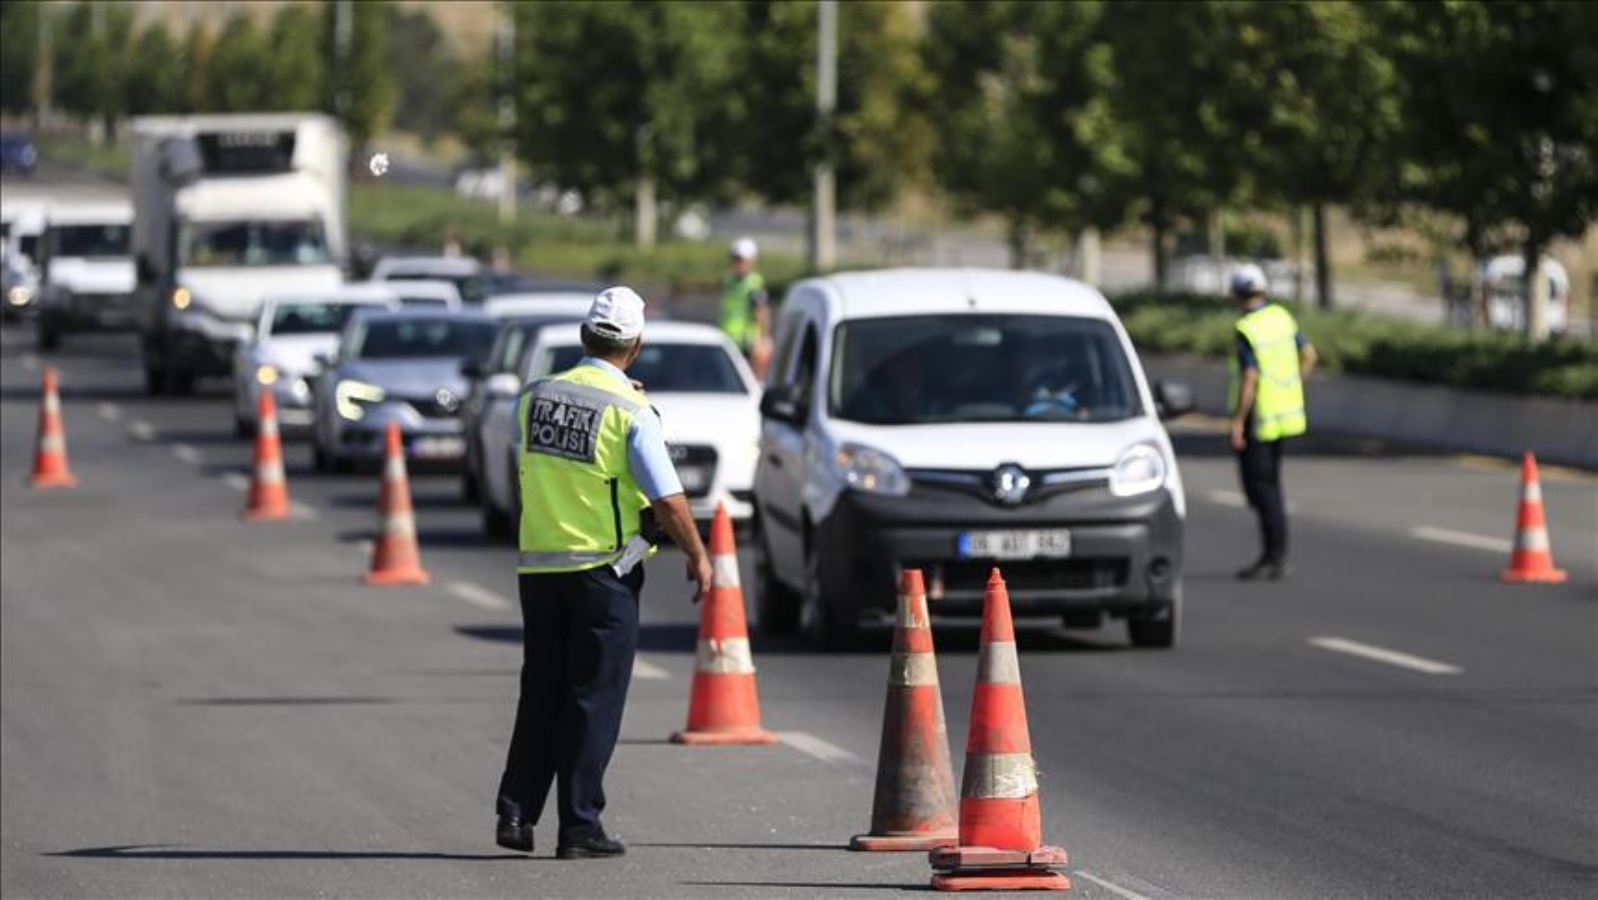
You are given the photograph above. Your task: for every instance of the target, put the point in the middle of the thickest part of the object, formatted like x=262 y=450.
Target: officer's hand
x=1238 y=438
x=700 y=572
x=637 y=385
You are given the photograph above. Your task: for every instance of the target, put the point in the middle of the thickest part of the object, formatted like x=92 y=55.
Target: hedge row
x=1378 y=346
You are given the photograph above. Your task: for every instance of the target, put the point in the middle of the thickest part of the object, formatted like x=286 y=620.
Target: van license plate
x=437 y=447
x=1048 y=543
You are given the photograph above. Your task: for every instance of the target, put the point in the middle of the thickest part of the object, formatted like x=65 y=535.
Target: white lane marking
x=809 y=744
x=645 y=670
x=141 y=430
x=303 y=511
x=1111 y=886
x=477 y=595
x=1228 y=498
x=1382 y=654
x=30 y=362
x=109 y=411
x=186 y=453
x=1462 y=539
x=236 y=480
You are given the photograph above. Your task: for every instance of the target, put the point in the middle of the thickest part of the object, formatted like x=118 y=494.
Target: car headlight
x=870 y=470
x=181 y=298
x=267 y=374
x=349 y=395
x=19 y=296
x=301 y=389
x=1140 y=469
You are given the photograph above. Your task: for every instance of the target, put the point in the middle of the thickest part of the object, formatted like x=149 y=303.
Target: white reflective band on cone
x=394 y=468
x=52 y=404
x=52 y=443
x=399 y=523
x=729 y=656
x=270 y=472
x=724 y=570
x=999 y=664
x=999 y=776
x=1535 y=539
x=913 y=670
x=907 y=614
x=1533 y=493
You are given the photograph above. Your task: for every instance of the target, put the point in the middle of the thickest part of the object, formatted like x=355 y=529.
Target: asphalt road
x=194 y=706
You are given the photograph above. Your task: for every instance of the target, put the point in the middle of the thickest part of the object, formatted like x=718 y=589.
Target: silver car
x=396 y=366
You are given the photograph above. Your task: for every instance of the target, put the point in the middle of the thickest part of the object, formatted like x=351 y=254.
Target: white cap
x=744 y=248
x=1248 y=280
x=618 y=312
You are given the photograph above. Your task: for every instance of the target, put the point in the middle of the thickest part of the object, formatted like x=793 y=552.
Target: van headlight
x=349 y=395
x=267 y=374
x=870 y=470
x=1140 y=469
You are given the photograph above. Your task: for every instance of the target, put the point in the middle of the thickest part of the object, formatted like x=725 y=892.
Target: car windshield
x=310 y=317
x=421 y=338
x=89 y=241
x=672 y=368
x=277 y=243
x=28 y=245
x=980 y=368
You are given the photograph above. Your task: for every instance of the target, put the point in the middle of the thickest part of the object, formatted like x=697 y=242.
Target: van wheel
x=817 y=620
x=242 y=427
x=1157 y=632
x=776 y=608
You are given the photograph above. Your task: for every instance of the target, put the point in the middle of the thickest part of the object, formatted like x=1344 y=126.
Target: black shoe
x=514 y=833
x=1276 y=571
x=597 y=847
x=1253 y=571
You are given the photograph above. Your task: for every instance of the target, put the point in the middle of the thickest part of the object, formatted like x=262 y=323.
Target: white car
x=292 y=330
x=539 y=303
x=21 y=225
x=709 y=405
x=469 y=276
x=86 y=273
x=956 y=420
x=428 y=293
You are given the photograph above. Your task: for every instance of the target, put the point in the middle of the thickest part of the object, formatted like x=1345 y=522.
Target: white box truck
x=228 y=209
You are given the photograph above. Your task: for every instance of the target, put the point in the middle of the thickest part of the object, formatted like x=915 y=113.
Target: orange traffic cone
x=1533 y=557
x=396 y=559
x=724 y=707
x=914 y=806
x=50 y=453
x=269 y=489
x=1001 y=826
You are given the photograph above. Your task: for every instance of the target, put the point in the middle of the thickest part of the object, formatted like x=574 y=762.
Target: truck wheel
x=776 y=607
x=1157 y=633
x=819 y=622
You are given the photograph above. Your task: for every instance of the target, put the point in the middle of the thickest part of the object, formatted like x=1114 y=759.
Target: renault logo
x=446 y=399
x=1010 y=484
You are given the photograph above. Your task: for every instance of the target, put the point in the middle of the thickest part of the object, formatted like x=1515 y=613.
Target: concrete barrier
x=1558 y=431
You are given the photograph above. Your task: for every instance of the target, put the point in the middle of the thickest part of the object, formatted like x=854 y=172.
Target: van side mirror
x=326 y=360
x=781 y=402
x=1172 y=399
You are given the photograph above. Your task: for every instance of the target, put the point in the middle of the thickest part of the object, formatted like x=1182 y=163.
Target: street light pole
x=506 y=46
x=823 y=249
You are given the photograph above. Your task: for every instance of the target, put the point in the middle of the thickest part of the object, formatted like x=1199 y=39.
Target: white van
x=954 y=421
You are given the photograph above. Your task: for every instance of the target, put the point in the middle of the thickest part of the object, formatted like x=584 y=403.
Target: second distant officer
x=1271 y=360
x=595 y=479
x=745 y=314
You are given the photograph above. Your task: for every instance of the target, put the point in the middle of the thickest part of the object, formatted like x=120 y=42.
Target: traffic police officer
x=595 y=477
x=1266 y=397
x=745 y=315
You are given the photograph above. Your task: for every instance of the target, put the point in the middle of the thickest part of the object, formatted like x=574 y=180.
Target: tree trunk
x=644 y=213
x=1215 y=231
x=1020 y=241
x=1300 y=264
x=1535 y=290
x=1157 y=222
x=1089 y=265
x=1323 y=260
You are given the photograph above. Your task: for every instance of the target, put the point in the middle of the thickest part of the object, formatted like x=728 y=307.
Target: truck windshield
x=671 y=368
x=276 y=243
x=913 y=370
x=421 y=338
x=89 y=241
x=310 y=317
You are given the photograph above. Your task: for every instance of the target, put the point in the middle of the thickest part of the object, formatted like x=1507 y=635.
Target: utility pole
x=42 y=69
x=505 y=44
x=823 y=247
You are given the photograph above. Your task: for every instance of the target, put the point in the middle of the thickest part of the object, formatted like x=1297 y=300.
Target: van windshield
x=274 y=243
x=912 y=370
x=90 y=241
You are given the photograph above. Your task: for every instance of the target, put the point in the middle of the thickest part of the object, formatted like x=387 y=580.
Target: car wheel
x=178 y=382
x=496 y=523
x=319 y=460
x=242 y=427
x=471 y=489
x=1160 y=630
x=776 y=607
x=821 y=624
x=48 y=338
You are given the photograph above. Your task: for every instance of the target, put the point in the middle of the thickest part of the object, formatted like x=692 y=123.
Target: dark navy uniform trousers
x=580 y=634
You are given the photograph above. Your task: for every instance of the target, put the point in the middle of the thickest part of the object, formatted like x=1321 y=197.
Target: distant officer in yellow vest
x=596 y=481
x=1269 y=365
x=745 y=315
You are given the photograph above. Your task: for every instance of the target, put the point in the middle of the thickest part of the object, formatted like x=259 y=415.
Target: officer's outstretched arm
x=677 y=519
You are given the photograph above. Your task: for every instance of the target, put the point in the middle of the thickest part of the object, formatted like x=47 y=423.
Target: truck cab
x=229 y=209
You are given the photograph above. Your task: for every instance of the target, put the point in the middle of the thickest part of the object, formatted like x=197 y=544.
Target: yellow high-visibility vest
x=1279 y=399
x=737 y=314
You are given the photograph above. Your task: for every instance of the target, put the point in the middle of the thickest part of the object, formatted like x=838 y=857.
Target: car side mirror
x=472 y=368
x=1172 y=399
x=781 y=402
x=504 y=384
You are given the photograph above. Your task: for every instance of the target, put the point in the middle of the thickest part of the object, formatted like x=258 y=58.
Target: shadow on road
x=1192 y=444
x=959 y=638
x=163 y=851
x=284 y=701
x=713 y=845
x=817 y=886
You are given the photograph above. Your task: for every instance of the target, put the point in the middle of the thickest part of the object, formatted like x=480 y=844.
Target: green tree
x=234 y=79
x=196 y=55
x=90 y=60
x=617 y=99
x=157 y=75
x=359 y=87
x=296 y=71
x=19 y=48
x=426 y=73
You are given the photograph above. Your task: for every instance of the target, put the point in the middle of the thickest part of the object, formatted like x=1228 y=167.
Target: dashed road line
x=1110 y=886
x=1227 y=498
x=109 y=411
x=303 y=511
x=236 y=480
x=648 y=671
x=141 y=430
x=1384 y=655
x=810 y=745
x=477 y=595
x=1462 y=539
x=186 y=453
